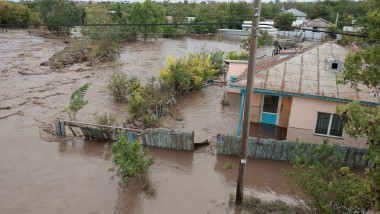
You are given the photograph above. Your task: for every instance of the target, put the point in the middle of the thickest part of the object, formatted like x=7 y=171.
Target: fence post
x=58 y=128
x=192 y=141
x=63 y=131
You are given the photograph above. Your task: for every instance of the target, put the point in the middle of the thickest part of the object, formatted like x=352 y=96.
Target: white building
x=267 y=26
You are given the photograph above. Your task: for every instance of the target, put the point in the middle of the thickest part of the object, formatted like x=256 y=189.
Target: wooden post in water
x=248 y=100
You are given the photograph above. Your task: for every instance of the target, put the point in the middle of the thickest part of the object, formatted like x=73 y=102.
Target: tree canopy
x=60 y=12
x=285 y=19
x=148 y=13
x=14 y=13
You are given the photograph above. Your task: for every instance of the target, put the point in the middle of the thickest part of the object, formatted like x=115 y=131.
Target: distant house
x=316 y=24
x=298 y=14
x=297 y=23
x=190 y=19
x=267 y=26
x=297 y=93
x=351 y=29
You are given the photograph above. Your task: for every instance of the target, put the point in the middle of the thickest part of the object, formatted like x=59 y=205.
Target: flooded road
x=42 y=173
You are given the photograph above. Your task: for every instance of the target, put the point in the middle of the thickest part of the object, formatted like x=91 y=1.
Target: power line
x=177 y=24
x=114 y=25
x=128 y=13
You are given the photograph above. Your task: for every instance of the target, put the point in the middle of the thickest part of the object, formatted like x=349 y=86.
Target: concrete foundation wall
x=309 y=136
x=303 y=117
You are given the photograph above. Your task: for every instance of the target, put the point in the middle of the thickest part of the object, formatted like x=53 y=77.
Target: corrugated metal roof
x=296 y=12
x=306 y=73
x=317 y=22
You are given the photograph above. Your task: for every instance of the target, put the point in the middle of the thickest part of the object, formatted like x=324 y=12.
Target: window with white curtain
x=329 y=124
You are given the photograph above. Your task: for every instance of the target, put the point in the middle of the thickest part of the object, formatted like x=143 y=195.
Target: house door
x=270 y=109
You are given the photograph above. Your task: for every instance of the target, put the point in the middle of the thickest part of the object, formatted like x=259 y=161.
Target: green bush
x=189 y=73
x=137 y=107
x=144 y=101
x=131 y=159
x=237 y=56
x=151 y=120
x=228 y=166
x=105 y=119
x=121 y=85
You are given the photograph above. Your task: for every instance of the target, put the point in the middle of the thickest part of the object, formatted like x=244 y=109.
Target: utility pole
x=248 y=99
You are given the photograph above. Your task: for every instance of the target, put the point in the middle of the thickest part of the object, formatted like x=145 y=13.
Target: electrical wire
x=177 y=24
x=114 y=25
x=128 y=13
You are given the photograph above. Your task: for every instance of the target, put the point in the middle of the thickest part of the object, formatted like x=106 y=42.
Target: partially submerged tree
x=146 y=103
x=121 y=85
x=106 y=38
x=131 y=159
x=77 y=101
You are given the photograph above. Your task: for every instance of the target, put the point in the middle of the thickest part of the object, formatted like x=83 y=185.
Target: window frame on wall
x=328 y=134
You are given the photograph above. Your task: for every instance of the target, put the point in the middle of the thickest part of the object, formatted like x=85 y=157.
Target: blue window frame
x=232 y=78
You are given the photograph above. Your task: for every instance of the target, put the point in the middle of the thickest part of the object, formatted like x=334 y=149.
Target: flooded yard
x=43 y=173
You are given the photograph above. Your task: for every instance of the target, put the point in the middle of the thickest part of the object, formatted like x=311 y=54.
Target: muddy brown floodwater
x=42 y=173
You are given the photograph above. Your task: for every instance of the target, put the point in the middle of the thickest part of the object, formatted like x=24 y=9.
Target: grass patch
x=228 y=166
x=75 y=52
x=255 y=205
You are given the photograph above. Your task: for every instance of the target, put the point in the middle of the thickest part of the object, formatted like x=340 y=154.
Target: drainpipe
x=242 y=91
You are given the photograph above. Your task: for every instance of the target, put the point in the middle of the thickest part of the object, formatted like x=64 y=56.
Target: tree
x=131 y=159
x=77 y=101
x=106 y=38
x=363 y=68
x=320 y=9
x=325 y=181
x=371 y=21
x=14 y=13
x=239 y=12
x=148 y=13
x=285 y=20
x=60 y=12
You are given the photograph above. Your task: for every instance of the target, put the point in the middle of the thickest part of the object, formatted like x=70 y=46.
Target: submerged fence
x=166 y=138
x=163 y=138
x=282 y=150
